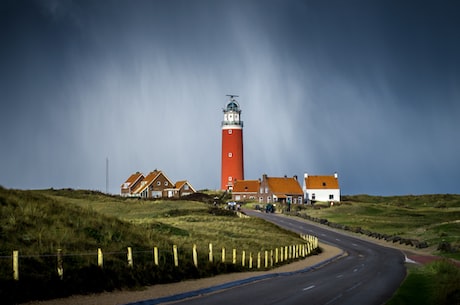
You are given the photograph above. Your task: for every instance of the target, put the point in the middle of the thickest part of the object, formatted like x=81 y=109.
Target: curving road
x=369 y=274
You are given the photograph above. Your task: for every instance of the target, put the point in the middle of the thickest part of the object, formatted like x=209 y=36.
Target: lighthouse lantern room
x=232 y=145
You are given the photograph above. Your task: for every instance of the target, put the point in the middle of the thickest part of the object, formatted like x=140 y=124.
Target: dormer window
x=324 y=183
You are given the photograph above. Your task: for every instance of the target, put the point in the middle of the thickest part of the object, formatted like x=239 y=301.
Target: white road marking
x=309 y=287
x=355 y=270
x=355 y=286
x=354 y=245
x=339 y=276
x=337 y=239
x=334 y=299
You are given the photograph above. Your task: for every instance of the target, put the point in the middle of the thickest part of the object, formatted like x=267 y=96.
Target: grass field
x=38 y=223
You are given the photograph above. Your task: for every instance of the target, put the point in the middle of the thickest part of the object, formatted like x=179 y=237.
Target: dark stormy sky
x=370 y=89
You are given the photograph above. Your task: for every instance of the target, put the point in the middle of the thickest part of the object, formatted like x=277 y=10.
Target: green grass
x=431 y=218
x=436 y=283
x=38 y=223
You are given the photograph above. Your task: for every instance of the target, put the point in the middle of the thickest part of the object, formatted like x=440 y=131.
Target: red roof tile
x=246 y=186
x=284 y=185
x=321 y=182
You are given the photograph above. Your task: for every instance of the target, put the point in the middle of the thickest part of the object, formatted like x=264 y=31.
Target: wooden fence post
x=281 y=254
x=60 y=268
x=258 y=260
x=155 y=256
x=266 y=258
x=223 y=255
x=243 y=258
x=271 y=258
x=130 y=257
x=176 y=259
x=276 y=255
x=195 y=256
x=210 y=253
x=16 y=265
x=100 y=258
x=250 y=260
x=234 y=256
x=286 y=253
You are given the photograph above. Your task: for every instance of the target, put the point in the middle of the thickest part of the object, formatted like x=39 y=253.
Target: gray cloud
x=366 y=89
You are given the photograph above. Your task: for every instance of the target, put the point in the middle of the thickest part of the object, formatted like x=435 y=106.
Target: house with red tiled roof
x=280 y=189
x=245 y=190
x=155 y=185
x=131 y=184
x=321 y=188
x=180 y=189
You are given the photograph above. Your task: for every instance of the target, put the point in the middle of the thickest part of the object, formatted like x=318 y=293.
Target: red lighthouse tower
x=232 y=145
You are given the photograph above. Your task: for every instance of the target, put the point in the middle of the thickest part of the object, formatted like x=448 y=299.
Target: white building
x=321 y=188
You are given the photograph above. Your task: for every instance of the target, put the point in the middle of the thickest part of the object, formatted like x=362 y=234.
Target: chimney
x=295 y=177
x=336 y=175
x=305 y=176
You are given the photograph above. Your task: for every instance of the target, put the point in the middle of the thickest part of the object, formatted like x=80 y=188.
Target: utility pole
x=107 y=175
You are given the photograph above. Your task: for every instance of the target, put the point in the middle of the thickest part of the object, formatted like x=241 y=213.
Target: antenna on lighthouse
x=232 y=96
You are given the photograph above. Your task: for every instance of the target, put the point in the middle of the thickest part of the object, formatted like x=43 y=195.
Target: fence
x=262 y=259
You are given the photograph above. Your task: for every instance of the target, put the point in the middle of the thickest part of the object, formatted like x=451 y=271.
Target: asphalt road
x=369 y=274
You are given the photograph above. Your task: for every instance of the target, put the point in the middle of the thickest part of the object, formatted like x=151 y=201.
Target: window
x=331 y=196
x=313 y=196
x=186 y=187
x=158 y=183
x=324 y=183
x=166 y=183
x=266 y=190
x=230 y=131
x=230 y=154
x=230 y=178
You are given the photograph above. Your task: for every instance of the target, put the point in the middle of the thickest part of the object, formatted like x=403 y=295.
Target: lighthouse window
x=230 y=178
x=230 y=131
x=230 y=155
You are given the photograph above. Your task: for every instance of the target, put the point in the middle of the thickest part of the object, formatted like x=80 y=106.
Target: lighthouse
x=232 y=145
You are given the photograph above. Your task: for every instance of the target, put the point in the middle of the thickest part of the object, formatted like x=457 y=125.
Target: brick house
x=245 y=190
x=128 y=187
x=280 y=189
x=155 y=185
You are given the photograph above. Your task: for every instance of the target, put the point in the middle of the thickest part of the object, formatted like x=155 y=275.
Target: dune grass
x=38 y=223
x=431 y=218
x=435 y=283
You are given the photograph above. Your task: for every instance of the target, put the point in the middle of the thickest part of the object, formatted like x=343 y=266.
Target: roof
x=246 y=186
x=147 y=181
x=180 y=184
x=284 y=185
x=132 y=179
x=321 y=182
